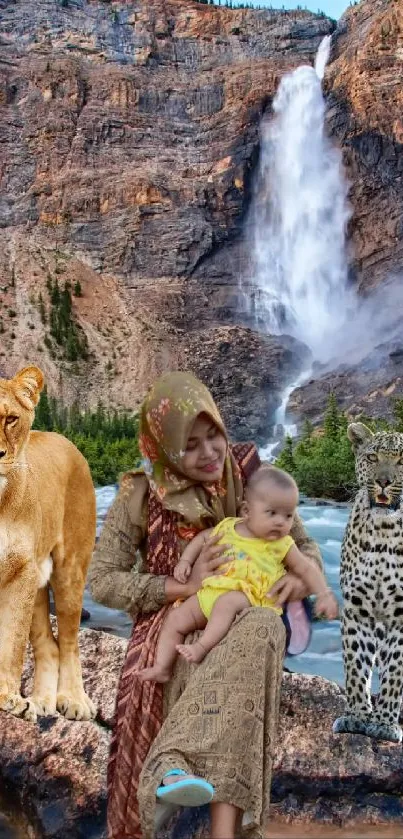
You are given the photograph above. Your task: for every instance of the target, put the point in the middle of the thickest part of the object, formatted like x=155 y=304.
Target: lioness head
x=18 y=398
x=378 y=464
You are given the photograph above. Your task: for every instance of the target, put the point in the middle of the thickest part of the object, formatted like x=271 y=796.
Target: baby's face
x=270 y=511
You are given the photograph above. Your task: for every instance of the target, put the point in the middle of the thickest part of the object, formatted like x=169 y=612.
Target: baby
x=260 y=554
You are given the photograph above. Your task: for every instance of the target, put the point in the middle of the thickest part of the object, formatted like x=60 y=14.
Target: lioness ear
x=28 y=385
x=358 y=433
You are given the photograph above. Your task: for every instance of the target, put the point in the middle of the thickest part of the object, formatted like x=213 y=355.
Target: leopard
x=371 y=582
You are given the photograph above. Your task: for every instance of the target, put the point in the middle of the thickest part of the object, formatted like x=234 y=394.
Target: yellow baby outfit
x=258 y=565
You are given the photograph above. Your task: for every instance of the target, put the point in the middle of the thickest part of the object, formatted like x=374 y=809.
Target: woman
x=199 y=722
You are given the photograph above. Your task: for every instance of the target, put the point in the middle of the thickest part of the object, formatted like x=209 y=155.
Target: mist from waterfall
x=299 y=218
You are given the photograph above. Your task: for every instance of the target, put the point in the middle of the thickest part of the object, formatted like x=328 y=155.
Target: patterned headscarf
x=167 y=416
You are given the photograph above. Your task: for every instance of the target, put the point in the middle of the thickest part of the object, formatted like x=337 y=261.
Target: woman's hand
x=289 y=587
x=210 y=559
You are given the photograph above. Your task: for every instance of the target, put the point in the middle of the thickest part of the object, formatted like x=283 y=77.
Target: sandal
x=189 y=792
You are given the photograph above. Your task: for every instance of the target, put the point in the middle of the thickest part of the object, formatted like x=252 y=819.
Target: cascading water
x=322 y=56
x=300 y=215
x=282 y=427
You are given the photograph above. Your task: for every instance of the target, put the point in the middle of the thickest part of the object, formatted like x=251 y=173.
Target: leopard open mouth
x=381 y=499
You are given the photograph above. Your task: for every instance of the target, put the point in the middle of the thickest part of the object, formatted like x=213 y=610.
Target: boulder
x=55 y=771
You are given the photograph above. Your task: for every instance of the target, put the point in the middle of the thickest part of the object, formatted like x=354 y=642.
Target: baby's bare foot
x=154 y=674
x=192 y=652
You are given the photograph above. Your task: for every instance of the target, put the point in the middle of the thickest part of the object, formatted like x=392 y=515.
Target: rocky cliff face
x=368 y=387
x=363 y=84
x=129 y=135
x=364 y=91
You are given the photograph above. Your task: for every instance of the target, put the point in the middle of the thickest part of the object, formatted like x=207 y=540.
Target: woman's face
x=205 y=452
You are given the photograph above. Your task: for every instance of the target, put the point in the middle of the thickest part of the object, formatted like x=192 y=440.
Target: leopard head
x=378 y=465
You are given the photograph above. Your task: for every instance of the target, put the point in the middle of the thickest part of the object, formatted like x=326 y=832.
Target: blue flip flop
x=191 y=792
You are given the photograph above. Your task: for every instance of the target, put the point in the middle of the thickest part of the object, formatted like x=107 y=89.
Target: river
x=326 y=525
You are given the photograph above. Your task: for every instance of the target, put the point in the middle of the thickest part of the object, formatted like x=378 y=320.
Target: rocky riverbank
x=56 y=770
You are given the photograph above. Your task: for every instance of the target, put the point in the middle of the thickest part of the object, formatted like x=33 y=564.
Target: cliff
x=130 y=133
x=364 y=84
x=364 y=94
x=130 y=136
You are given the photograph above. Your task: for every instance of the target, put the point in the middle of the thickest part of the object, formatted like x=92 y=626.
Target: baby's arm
x=315 y=580
x=190 y=554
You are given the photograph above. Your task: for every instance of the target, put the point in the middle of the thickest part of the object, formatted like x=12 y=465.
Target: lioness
x=47 y=534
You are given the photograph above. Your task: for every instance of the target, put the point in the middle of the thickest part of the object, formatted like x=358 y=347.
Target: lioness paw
x=76 y=708
x=17 y=705
x=91 y=706
x=45 y=706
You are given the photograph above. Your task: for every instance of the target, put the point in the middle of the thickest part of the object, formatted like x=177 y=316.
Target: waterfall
x=282 y=427
x=299 y=218
x=322 y=56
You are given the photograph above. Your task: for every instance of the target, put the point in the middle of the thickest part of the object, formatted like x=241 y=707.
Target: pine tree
x=286 y=458
x=42 y=310
x=332 y=418
x=72 y=346
x=43 y=414
x=55 y=330
x=54 y=293
x=307 y=430
x=397 y=405
x=74 y=421
x=65 y=308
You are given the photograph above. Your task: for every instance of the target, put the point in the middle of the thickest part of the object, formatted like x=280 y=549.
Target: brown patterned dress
x=202 y=719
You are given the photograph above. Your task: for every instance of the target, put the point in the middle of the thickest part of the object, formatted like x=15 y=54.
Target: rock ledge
x=56 y=770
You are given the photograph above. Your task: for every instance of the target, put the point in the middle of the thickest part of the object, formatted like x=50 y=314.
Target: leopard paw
x=350 y=724
x=385 y=731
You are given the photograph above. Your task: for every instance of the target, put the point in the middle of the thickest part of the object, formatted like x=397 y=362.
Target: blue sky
x=333 y=8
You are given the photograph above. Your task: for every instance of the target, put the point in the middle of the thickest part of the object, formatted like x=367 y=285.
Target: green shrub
x=107 y=439
x=323 y=463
